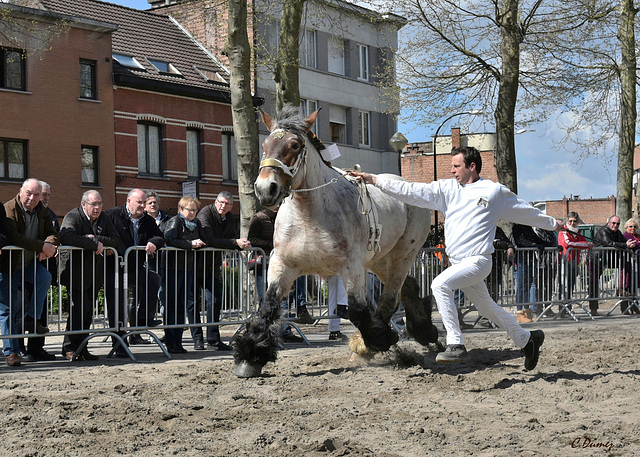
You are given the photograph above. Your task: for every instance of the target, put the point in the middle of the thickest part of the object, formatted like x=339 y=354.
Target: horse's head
x=284 y=153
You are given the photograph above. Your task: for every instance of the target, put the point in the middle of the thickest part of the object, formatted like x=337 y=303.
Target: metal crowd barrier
x=545 y=280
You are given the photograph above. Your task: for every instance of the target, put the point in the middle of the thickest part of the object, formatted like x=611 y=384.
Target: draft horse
x=328 y=224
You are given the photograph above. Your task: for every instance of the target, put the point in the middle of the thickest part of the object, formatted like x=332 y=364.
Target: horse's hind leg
x=418 y=311
x=259 y=342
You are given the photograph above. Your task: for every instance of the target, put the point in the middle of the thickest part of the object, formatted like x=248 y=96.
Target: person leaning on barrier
x=526 y=268
x=185 y=232
x=10 y=347
x=136 y=228
x=472 y=208
x=260 y=235
x=572 y=243
x=631 y=277
x=221 y=232
x=82 y=272
x=608 y=236
x=31 y=228
x=152 y=207
x=503 y=254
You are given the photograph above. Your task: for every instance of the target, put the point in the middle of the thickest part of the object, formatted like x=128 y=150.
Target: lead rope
x=368 y=209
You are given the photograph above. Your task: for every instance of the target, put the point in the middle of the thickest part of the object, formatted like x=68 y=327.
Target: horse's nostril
x=273 y=189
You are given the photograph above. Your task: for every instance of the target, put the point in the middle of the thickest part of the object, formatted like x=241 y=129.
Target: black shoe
x=304 y=317
x=154 y=322
x=198 y=346
x=531 y=351
x=343 y=311
x=289 y=337
x=337 y=336
x=137 y=339
x=41 y=355
x=222 y=346
x=28 y=324
x=26 y=357
x=86 y=355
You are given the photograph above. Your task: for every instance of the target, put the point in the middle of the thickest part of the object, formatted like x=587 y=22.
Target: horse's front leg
x=260 y=341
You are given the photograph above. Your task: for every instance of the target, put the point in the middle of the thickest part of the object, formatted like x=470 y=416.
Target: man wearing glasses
x=608 y=236
x=221 y=231
x=86 y=227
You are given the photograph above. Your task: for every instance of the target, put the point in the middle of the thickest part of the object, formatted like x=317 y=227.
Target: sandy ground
x=581 y=400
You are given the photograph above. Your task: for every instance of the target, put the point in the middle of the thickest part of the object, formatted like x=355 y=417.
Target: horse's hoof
x=245 y=369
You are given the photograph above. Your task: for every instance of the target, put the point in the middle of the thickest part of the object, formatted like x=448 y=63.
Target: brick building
x=171 y=116
x=55 y=128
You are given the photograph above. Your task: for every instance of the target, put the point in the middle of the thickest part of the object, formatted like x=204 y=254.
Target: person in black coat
x=184 y=231
x=82 y=272
x=221 y=231
x=608 y=236
x=136 y=228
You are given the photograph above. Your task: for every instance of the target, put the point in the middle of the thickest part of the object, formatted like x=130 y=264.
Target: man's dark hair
x=470 y=155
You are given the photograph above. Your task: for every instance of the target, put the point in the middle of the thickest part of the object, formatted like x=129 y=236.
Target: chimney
x=455 y=137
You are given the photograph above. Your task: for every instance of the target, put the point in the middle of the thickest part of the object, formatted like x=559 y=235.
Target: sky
x=544 y=173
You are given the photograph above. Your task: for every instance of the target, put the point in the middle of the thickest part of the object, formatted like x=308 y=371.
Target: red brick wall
x=592 y=211
x=57 y=123
x=176 y=115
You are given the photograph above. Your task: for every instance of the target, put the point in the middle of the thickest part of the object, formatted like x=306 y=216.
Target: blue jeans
x=525 y=286
x=7 y=324
x=36 y=274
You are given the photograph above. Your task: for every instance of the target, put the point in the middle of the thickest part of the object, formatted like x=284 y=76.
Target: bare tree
x=463 y=55
x=245 y=127
x=287 y=64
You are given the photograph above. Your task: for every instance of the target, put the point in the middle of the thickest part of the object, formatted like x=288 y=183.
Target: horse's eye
x=295 y=145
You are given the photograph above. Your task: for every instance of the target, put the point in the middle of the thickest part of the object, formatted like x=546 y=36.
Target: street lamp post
x=435 y=163
x=398 y=141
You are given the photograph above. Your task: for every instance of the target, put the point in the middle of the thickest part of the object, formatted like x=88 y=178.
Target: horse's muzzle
x=269 y=192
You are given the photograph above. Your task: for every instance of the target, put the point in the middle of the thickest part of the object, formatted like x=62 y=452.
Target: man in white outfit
x=472 y=208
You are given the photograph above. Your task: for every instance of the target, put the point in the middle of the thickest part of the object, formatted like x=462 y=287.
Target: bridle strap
x=288 y=170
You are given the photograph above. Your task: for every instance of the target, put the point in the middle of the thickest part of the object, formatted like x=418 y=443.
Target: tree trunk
x=628 y=112
x=507 y=96
x=288 y=59
x=245 y=126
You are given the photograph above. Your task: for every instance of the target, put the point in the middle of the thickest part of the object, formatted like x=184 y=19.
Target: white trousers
x=337 y=296
x=468 y=274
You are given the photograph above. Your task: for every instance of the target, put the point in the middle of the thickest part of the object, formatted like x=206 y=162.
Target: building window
x=89 y=162
x=364 y=138
x=193 y=153
x=363 y=62
x=88 y=79
x=229 y=157
x=307 y=107
x=337 y=123
x=13 y=154
x=164 y=67
x=127 y=61
x=336 y=56
x=149 y=149
x=13 y=69
x=308 y=49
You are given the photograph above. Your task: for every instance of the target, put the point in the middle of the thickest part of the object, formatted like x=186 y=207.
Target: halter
x=276 y=163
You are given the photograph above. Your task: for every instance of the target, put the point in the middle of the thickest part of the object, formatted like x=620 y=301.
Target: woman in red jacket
x=572 y=242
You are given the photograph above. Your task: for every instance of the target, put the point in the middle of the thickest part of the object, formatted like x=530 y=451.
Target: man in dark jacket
x=31 y=228
x=261 y=236
x=608 y=236
x=136 y=228
x=221 y=231
x=88 y=228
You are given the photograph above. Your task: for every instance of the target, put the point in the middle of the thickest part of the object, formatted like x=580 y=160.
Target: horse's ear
x=311 y=118
x=268 y=120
